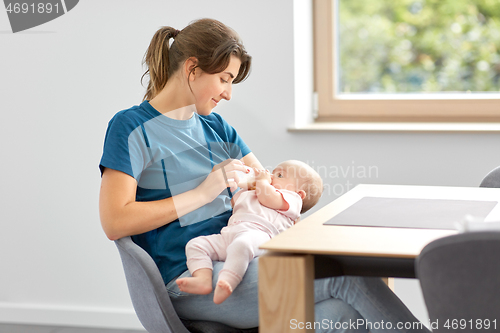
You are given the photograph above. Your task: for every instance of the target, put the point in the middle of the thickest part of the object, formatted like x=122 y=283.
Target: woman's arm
x=252 y=161
x=122 y=216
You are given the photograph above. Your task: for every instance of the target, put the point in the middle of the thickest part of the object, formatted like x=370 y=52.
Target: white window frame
x=334 y=107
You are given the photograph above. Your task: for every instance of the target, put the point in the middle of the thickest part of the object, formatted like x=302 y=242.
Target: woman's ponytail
x=157 y=61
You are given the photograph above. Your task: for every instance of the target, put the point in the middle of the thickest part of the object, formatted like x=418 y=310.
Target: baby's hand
x=261 y=174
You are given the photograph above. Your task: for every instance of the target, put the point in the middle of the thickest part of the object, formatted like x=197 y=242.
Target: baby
x=258 y=215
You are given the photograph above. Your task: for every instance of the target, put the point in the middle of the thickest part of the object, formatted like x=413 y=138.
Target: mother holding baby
x=169 y=167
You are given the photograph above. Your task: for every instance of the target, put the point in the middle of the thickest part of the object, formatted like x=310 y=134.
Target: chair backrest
x=147 y=290
x=492 y=179
x=460 y=280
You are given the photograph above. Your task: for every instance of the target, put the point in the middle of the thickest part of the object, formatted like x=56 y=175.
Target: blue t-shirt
x=168 y=157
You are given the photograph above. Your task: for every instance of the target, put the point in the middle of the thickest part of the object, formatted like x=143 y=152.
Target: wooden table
x=311 y=249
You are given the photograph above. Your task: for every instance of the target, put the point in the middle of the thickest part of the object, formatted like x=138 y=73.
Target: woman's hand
x=223 y=175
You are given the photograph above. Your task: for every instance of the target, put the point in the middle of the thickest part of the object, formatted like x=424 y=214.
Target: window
x=408 y=60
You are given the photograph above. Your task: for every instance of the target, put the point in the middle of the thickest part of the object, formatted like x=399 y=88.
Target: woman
x=169 y=166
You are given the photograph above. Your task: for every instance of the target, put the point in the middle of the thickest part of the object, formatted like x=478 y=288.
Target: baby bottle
x=246 y=180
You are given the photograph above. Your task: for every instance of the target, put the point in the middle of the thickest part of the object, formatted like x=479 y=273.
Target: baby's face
x=286 y=177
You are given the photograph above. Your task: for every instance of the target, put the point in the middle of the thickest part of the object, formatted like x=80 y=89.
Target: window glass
x=418 y=46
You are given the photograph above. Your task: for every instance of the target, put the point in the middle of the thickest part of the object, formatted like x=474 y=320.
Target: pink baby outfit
x=250 y=225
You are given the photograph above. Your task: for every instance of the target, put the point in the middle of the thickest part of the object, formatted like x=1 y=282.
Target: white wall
x=61 y=82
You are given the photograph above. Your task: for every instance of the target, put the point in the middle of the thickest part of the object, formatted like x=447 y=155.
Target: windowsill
x=396 y=127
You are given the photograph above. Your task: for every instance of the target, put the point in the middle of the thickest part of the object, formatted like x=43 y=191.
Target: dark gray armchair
x=150 y=297
x=492 y=179
x=460 y=280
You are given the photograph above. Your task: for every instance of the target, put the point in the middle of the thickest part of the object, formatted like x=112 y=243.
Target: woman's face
x=209 y=89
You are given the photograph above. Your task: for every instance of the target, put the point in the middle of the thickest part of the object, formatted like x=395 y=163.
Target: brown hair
x=211 y=42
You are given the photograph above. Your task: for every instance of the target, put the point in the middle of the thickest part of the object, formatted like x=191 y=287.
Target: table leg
x=389 y=281
x=286 y=293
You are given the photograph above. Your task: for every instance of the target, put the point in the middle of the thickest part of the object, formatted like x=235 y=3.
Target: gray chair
x=150 y=297
x=460 y=280
x=492 y=179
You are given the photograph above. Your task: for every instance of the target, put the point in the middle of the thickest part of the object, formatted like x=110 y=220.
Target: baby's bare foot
x=195 y=285
x=222 y=291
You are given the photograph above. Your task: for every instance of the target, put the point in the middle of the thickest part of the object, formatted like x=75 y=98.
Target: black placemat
x=411 y=213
